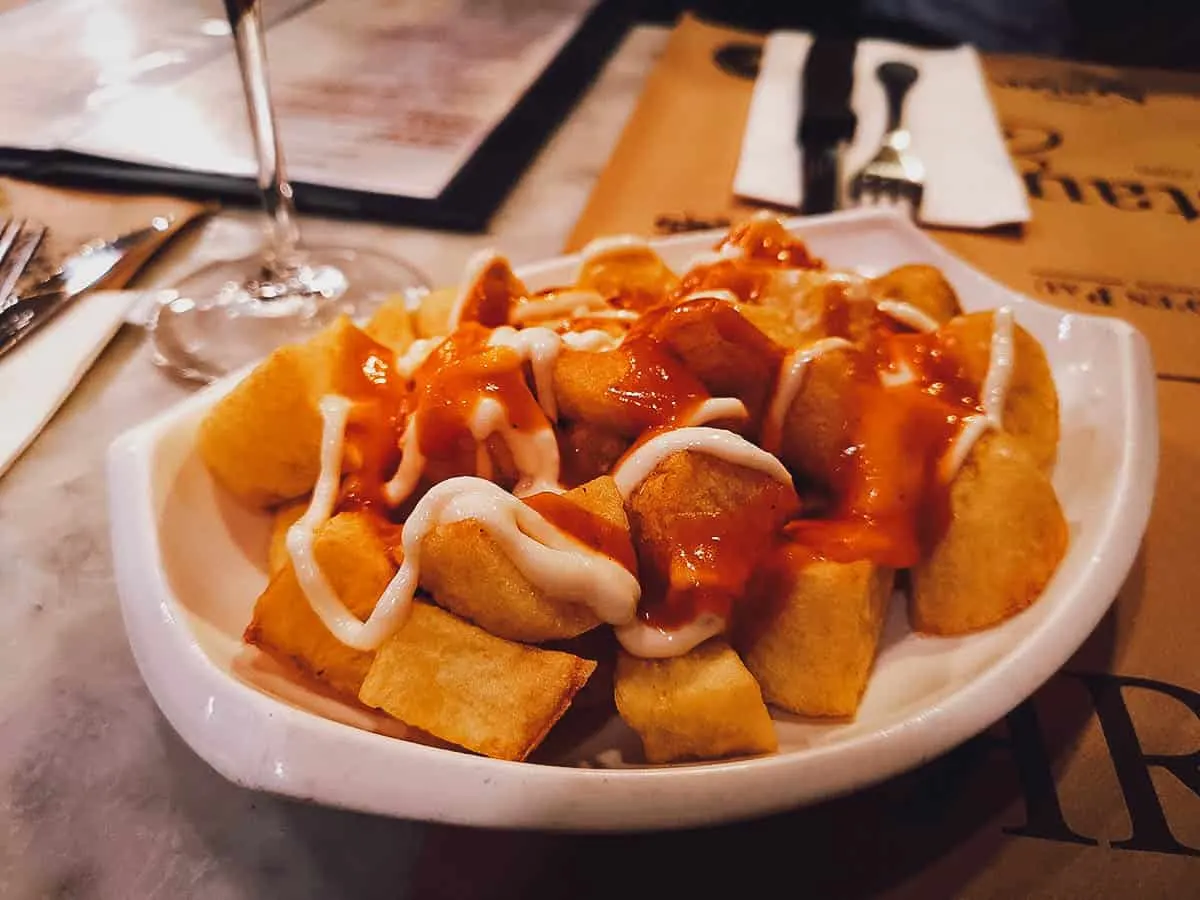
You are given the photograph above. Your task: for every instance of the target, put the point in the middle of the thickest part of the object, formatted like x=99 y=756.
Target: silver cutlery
x=82 y=270
x=19 y=241
x=895 y=175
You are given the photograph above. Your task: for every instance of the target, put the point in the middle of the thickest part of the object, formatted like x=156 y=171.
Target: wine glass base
x=233 y=312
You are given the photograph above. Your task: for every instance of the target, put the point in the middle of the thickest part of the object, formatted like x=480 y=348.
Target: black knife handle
x=825 y=84
x=896 y=78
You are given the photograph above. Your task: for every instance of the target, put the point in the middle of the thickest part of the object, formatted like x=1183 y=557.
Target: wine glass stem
x=283 y=234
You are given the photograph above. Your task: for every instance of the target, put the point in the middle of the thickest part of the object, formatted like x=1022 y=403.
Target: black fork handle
x=896 y=78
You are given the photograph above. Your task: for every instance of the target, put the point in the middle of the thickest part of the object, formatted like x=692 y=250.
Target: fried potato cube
x=284 y=518
x=357 y=565
x=392 y=324
x=777 y=323
x=1031 y=405
x=1005 y=538
x=262 y=440
x=463 y=685
x=591 y=387
x=925 y=287
x=691 y=485
x=728 y=353
x=433 y=312
x=811 y=639
x=468 y=573
x=585 y=384
x=819 y=424
x=636 y=275
x=722 y=512
x=702 y=705
x=588 y=451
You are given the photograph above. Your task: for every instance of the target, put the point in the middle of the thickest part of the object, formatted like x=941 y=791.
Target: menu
x=391 y=98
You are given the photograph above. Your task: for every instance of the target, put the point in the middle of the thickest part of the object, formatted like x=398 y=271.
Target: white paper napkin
x=970 y=179
x=40 y=373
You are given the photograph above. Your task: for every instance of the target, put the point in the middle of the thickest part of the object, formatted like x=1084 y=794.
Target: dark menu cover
x=421 y=114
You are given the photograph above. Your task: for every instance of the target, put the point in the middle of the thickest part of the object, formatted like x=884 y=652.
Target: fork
x=19 y=241
x=895 y=174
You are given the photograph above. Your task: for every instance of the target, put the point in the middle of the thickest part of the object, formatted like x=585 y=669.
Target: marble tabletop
x=98 y=796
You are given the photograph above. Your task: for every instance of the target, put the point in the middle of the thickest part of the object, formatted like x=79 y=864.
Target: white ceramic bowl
x=189 y=564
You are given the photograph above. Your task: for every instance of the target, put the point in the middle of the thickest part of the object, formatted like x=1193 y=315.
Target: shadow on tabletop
x=260 y=845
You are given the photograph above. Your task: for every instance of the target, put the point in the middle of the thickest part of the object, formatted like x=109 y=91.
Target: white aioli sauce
x=721 y=294
x=418 y=351
x=321 y=596
x=616 y=315
x=539 y=347
x=553 y=561
x=592 y=340
x=640 y=638
x=412 y=464
x=992 y=395
x=907 y=314
x=715 y=409
x=787 y=386
x=534 y=452
x=602 y=246
x=564 y=303
x=638 y=465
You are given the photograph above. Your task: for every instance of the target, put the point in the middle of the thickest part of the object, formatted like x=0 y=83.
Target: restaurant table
x=98 y=796
x=100 y=799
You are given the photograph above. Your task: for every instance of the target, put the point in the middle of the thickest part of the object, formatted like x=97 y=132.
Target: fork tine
x=17 y=258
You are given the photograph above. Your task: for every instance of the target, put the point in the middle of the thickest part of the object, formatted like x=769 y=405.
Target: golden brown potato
x=820 y=423
x=357 y=565
x=703 y=705
x=262 y=440
x=729 y=355
x=636 y=276
x=776 y=323
x=811 y=639
x=1031 y=406
x=925 y=287
x=1005 y=538
x=463 y=685
x=283 y=519
x=585 y=383
x=691 y=497
x=592 y=387
x=466 y=572
x=588 y=451
x=433 y=313
x=392 y=324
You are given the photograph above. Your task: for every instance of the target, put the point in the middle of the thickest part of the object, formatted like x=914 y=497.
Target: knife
x=827 y=121
x=87 y=267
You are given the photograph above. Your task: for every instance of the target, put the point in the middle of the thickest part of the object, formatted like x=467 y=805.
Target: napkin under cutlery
x=970 y=178
x=40 y=373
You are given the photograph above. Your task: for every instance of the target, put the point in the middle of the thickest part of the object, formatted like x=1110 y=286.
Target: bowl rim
x=158 y=630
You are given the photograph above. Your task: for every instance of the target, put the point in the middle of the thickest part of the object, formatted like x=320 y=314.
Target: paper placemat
x=1090 y=788
x=1109 y=159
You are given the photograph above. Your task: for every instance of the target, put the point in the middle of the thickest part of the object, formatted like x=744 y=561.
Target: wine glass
x=234 y=312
